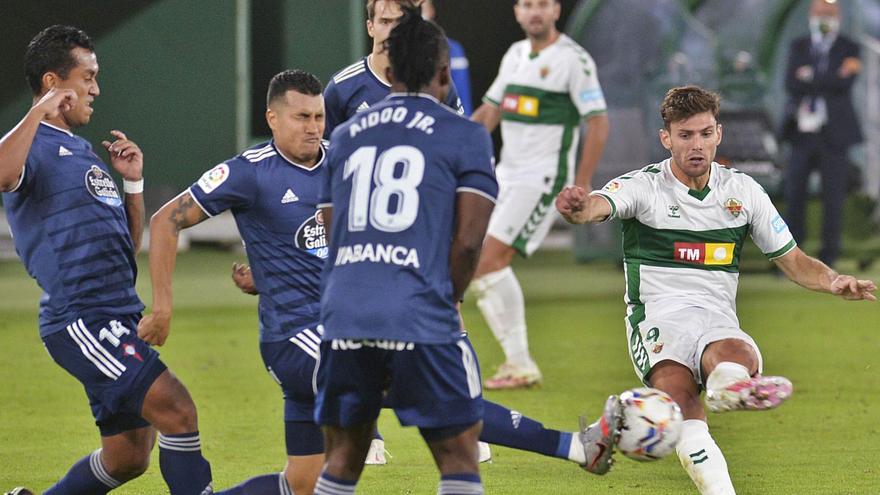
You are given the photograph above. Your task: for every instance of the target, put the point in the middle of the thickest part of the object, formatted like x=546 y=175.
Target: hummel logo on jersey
x=673 y=211
x=62 y=151
x=289 y=197
x=363 y=106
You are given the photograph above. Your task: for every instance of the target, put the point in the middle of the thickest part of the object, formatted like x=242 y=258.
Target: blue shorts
x=428 y=385
x=115 y=366
x=293 y=363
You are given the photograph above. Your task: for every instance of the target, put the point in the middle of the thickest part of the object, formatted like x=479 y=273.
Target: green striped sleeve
x=610 y=201
x=491 y=101
x=781 y=252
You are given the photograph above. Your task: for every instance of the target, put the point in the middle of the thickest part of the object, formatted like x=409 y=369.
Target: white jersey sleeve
x=766 y=226
x=496 y=91
x=626 y=194
x=584 y=88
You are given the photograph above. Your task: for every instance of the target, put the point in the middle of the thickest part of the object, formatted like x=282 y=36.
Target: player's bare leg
x=170 y=409
x=346 y=449
x=457 y=458
x=500 y=299
x=126 y=456
x=697 y=450
x=733 y=383
x=302 y=472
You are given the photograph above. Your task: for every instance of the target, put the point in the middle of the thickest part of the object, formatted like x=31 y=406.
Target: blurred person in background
x=820 y=122
x=546 y=87
x=458 y=63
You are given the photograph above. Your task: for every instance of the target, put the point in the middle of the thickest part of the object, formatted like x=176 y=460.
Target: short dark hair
x=404 y=4
x=684 y=102
x=49 y=51
x=295 y=79
x=416 y=48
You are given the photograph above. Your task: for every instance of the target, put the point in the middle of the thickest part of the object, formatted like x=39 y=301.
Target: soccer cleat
x=376 y=455
x=755 y=394
x=20 y=491
x=600 y=438
x=485 y=452
x=510 y=376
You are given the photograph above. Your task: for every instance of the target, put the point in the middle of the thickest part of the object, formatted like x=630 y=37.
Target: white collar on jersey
x=65 y=131
x=419 y=94
x=381 y=79
x=313 y=167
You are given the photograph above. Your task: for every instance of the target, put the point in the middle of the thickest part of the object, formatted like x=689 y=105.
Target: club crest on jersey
x=545 y=71
x=130 y=350
x=733 y=206
x=102 y=187
x=212 y=179
x=520 y=104
x=311 y=236
x=704 y=253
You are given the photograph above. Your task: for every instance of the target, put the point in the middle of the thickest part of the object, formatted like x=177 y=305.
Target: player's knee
x=128 y=467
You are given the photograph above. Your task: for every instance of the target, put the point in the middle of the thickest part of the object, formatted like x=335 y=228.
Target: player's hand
x=244 y=279
x=55 y=102
x=853 y=289
x=850 y=67
x=571 y=202
x=154 y=328
x=125 y=156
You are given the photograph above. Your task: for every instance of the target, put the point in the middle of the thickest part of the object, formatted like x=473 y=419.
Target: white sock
x=576 y=450
x=726 y=373
x=702 y=459
x=500 y=299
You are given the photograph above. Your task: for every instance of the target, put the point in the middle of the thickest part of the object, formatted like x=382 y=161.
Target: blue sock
x=502 y=426
x=261 y=485
x=87 y=477
x=328 y=485
x=185 y=471
x=460 y=484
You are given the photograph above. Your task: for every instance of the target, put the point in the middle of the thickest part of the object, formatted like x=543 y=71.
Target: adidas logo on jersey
x=62 y=151
x=363 y=106
x=289 y=197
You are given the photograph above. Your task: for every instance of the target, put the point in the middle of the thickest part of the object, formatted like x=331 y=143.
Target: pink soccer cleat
x=755 y=394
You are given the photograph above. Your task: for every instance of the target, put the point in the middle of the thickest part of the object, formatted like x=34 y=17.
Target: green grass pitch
x=824 y=441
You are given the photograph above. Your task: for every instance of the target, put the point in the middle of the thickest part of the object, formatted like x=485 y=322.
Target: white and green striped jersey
x=682 y=247
x=543 y=98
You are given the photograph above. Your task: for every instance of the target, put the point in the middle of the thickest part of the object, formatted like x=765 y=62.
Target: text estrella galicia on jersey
x=311 y=236
x=101 y=186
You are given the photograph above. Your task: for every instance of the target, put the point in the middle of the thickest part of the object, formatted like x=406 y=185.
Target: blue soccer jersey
x=274 y=203
x=356 y=88
x=393 y=174
x=70 y=229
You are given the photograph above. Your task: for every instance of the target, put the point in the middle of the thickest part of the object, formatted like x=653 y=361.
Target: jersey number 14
x=375 y=202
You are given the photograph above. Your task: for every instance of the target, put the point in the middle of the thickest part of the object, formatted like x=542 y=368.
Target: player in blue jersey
x=459 y=66
x=411 y=186
x=363 y=83
x=77 y=236
x=272 y=190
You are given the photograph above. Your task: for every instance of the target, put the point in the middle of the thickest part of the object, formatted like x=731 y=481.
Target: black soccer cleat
x=20 y=491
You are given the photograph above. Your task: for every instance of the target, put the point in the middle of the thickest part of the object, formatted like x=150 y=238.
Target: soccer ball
x=651 y=424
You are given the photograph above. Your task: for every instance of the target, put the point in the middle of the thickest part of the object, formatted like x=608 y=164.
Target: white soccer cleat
x=376 y=455
x=600 y=438
x=511 y=376
x=485 y=452
x=755 y=394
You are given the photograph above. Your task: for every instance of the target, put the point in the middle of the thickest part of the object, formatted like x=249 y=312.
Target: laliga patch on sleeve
x=589 y=95
x=778 y=224
x=612 y=186
x=213 y=178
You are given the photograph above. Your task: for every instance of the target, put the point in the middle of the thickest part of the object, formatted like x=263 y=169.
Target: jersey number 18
x=366 y=170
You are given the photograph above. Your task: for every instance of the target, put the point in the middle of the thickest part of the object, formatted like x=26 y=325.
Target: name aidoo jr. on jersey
x=377 y=253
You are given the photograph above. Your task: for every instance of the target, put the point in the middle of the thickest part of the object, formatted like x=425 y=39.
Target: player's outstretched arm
x=127 y=158
x=488 y=115
x=578 y=207
x=165 y=226
x=472 y=213
x=811 y=273
x=16 y=144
